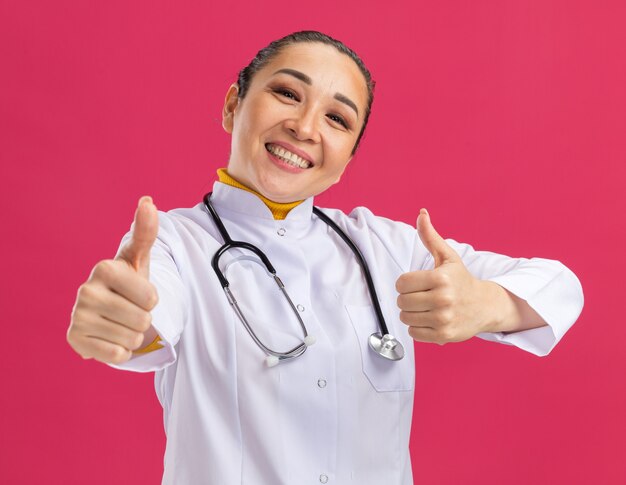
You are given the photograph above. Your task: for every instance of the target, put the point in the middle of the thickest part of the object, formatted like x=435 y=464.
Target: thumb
x=136 y=252
x=433 y=242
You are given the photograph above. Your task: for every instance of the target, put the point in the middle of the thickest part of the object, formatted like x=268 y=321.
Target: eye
x=287 y=93
x=338 y=119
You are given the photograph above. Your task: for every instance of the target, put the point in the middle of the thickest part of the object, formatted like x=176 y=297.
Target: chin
x=278 y=194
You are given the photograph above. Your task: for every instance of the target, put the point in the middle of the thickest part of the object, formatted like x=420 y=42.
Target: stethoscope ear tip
x=271 y=360
x=309 y=340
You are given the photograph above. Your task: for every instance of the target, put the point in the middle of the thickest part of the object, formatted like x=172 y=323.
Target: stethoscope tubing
x=378 y=342
x=362 y=263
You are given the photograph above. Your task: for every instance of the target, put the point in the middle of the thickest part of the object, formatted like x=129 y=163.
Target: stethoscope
x=383 y=343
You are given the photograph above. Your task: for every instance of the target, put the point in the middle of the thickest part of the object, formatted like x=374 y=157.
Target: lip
x=292 y=149
x=284 y=165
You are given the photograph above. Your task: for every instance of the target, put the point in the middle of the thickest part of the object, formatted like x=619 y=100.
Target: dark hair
x=265 y=55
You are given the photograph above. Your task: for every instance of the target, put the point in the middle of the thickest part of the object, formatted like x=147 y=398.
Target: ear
x=230 y=104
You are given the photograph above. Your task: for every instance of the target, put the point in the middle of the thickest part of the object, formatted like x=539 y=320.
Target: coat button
x=321 y=383
x=323 y=478
x=300 y=307
x=281 y=231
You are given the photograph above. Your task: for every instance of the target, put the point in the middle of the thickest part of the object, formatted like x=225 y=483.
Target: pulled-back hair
x=265 y=55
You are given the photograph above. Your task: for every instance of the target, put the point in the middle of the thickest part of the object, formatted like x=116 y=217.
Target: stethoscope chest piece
x=386 y=346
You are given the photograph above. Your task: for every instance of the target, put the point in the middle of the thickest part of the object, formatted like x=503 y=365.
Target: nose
x=303 y=125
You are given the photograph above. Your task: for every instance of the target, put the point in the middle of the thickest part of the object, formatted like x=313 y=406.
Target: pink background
x=506 y=119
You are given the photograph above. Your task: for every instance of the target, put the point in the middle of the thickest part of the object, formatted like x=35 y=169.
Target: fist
x=111 y=314
x=443 y=304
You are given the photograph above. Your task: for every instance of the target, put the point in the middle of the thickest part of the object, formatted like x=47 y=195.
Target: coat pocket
x=385 y=375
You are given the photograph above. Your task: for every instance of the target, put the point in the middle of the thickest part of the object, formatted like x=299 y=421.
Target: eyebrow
x=307 y=80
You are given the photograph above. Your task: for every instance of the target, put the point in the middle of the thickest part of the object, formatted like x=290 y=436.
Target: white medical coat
x=339 y=414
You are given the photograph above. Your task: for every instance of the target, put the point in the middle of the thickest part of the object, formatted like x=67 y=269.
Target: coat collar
x=226 y=197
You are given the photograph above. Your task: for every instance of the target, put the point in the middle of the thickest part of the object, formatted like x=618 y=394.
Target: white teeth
x=287 y=156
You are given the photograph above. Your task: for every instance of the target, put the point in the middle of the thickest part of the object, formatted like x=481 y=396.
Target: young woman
x=214 y=328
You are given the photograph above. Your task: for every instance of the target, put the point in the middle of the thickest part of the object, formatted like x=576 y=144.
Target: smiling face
x=294 y=131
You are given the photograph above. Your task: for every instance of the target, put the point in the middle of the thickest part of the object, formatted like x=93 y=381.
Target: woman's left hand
x=445 y=304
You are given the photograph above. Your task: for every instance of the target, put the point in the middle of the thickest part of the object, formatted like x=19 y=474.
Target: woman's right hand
x=111 y=316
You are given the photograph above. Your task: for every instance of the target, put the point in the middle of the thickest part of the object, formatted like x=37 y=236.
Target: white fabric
x=339 y=410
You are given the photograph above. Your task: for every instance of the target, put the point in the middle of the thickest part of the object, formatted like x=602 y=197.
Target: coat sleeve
x=548 y=286
x=170 y=313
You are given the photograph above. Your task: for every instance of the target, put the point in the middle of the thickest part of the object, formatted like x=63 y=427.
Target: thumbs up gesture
x=445 y=304
x=111 y=316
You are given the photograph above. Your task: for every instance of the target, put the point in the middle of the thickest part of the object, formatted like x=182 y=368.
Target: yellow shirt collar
x=279 y=211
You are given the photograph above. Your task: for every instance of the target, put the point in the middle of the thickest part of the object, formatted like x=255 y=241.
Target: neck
x=279 y=210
